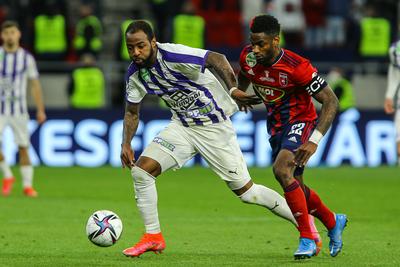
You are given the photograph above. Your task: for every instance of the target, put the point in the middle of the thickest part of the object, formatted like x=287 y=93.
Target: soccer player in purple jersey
x=17 y=72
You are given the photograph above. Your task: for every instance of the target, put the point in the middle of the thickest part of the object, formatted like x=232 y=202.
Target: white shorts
x=19 y=126
x=216 y=143
x=397 y=124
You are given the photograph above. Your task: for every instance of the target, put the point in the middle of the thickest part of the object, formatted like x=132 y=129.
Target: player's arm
x=38 y=98
x=330 y=106
x=131 y=122
x=243 y=81
x=224 y=70
x=388 y=105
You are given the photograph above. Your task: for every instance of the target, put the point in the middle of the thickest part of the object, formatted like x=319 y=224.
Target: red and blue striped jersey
x=285 y=87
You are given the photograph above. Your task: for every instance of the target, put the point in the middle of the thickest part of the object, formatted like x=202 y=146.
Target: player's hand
x=244 y=100
x=127 y=156
x=303 y=153
x=388 y=106
x=40 y=116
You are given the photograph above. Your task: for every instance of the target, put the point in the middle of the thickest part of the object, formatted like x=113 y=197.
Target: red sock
x=319 y=210
x=296 y=201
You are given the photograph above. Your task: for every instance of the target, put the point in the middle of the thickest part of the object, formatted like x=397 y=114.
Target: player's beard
x=10 y=44
x=267 y=59
x=148 y=61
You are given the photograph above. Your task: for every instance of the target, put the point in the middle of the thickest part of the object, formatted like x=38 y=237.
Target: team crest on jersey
x=251 y=59
x=269 y=94
x=283 y=79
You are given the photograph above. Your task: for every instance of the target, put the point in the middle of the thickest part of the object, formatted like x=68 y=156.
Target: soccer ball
x=104 y=228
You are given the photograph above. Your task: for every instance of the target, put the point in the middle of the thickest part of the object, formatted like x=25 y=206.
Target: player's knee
x=141 y=178
x=280 y=172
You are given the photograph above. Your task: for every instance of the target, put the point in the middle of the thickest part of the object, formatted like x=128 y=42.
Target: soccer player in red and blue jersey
x=286 y=82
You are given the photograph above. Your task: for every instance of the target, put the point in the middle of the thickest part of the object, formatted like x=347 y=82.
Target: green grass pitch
x=204 y=224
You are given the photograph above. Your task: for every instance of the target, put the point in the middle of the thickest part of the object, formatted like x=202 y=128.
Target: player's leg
x=8 y=177
x=397 y=126
x=219 y=147
x=21 y=136
x=168 y=150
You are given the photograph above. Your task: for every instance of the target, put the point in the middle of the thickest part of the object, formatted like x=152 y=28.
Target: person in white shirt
x=392 y=98
x=17 y=72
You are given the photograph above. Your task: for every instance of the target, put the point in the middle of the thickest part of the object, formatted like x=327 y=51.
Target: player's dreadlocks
x=140 y=25
x=266 y=24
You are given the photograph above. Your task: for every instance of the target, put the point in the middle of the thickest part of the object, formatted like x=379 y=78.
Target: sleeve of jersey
x=189 y=59
x=308 y=78
x=135 y=91
x=31 y=68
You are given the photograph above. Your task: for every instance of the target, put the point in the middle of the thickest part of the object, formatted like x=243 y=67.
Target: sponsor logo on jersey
x=266 y=77
x=251 y=59
x=183 y=100
x=269 y=94
x=283 y=79
x=144 y=73
x=251 y=72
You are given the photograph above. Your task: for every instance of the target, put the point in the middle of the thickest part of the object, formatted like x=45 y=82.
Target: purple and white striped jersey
x=15 y=71
x=179 y=77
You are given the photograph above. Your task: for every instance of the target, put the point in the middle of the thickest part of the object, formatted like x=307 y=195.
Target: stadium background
x=204 y=225
x=306 y=28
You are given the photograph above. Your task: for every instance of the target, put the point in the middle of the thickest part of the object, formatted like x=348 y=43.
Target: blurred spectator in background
x=290 y=15
x=88 y=32
x=375 y=34
x=188 y=28
x=50 y=33
x=342 y=88
x=249 y=9
x=87 y=86
x=314 y=14
x=392 y=98
x=337 y=13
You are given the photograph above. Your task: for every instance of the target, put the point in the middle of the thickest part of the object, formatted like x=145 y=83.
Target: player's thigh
x=19 y=127
x=218 y=145
x=283 y=166
x=3 y=123
x=170 y=148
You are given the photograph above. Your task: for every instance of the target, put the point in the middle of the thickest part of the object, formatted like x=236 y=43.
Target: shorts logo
x=269 y=94
x=164 y=143
x=251 y=59
x=283 y=79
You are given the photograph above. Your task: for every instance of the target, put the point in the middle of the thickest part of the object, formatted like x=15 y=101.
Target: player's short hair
x=140 y=25
x=8 y=24
x=266 y=24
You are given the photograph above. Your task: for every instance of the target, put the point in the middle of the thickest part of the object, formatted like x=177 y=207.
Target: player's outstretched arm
x=330 y=106
x=224 y=70
x=131 y=122
x=221 y=65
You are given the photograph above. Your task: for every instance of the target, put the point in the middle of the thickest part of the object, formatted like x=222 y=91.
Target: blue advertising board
x=93 y=138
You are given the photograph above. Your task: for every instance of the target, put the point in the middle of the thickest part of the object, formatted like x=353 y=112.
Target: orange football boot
x=30 y=192
x=316 y=236
x=7 y=186
x=148 y=242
